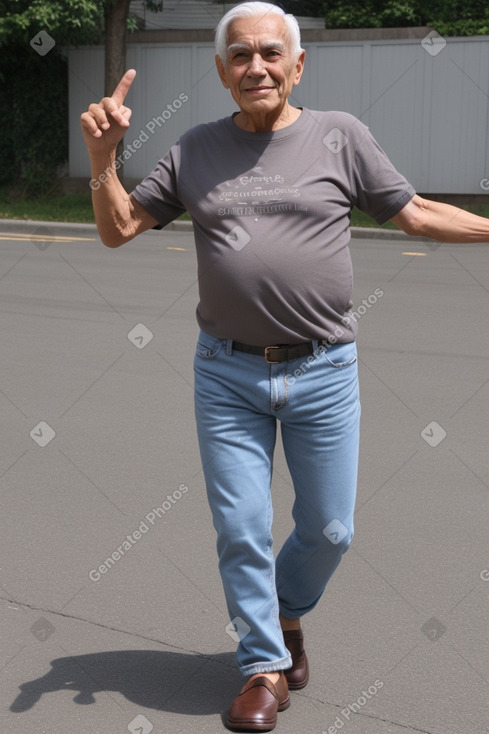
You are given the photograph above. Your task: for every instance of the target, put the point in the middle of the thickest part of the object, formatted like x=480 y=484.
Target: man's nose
x=256 y=66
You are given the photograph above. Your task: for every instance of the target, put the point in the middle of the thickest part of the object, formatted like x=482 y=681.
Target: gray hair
x=255 y=8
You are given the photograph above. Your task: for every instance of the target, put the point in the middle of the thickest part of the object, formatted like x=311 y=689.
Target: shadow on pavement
x=166 y=681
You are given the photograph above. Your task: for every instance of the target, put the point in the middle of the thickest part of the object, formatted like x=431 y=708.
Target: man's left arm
x=441 y=222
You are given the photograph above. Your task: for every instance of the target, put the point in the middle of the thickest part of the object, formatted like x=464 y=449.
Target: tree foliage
x=449 y=17
x=71 y=22
x=309 y=8
x=34 y=103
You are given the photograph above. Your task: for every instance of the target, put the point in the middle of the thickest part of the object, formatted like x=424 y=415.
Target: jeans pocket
x=208 y=347
x=341 y=355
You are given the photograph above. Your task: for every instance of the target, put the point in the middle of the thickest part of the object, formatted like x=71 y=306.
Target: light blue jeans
x=238 y=399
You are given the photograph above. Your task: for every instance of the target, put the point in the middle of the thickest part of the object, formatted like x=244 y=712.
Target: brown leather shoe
x=256 y=707
x=298 y=675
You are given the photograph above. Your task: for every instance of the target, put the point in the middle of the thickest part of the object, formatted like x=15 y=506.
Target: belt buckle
x=267 y=354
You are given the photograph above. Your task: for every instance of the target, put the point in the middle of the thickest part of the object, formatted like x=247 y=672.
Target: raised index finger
x=121 y=90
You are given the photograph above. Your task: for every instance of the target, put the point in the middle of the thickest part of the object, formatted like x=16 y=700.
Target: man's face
x=260 y=70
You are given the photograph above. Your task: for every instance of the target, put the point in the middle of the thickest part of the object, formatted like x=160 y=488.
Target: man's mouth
x=259 y=90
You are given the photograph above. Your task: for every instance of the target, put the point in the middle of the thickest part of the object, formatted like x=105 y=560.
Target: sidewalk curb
x=74 y=229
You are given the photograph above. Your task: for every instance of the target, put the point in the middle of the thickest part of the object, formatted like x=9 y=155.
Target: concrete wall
x=426 y=102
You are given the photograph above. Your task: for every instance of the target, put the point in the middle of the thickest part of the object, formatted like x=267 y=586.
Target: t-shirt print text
x=257 y=194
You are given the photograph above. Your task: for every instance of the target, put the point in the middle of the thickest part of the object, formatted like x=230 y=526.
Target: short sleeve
x=381 y=191
x=158 y=192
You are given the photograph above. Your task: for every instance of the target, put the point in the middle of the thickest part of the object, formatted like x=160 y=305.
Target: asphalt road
x=99 y=460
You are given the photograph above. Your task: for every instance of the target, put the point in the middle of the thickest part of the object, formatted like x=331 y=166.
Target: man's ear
x=299 y=67
x=221 y=71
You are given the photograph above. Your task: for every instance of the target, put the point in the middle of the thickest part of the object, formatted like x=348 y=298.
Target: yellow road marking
x=42 y=238
x=416 y=254
x=178 y=249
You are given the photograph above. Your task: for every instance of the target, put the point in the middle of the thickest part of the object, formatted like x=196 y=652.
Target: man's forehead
x=262 y=29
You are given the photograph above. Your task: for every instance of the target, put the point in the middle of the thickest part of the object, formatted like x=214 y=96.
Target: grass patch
x=359 y=219
x=78 y=208
x=54 y=208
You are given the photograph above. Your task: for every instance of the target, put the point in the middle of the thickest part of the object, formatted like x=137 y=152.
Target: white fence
x=184 y=14
x=426 y=103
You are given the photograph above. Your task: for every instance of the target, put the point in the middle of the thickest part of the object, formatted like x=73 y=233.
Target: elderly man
x=270 y=190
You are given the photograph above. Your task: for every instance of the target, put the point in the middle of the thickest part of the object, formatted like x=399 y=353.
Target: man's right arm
x=119 y=217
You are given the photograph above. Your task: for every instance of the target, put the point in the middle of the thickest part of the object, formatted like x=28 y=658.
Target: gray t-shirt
x=271 y=215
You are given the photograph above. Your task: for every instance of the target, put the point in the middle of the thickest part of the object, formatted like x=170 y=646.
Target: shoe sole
x=254 y=726
x=298 y=686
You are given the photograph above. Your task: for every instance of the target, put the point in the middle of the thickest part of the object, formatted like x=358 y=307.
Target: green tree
x=72 y=22
x=309 y=8
x=33 y=74
x=449 y=17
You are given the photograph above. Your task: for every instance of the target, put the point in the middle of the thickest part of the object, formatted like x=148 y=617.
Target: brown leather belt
x=278 y=352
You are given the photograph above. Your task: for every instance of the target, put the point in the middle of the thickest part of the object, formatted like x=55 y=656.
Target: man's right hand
x=118 y=215
x=105 y=124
